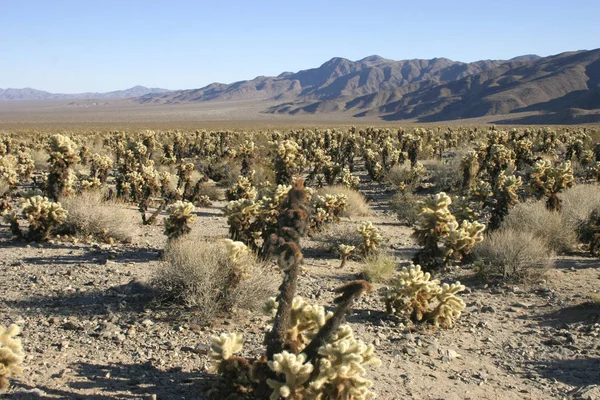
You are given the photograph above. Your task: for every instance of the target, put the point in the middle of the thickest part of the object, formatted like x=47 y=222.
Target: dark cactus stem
x=349 y=292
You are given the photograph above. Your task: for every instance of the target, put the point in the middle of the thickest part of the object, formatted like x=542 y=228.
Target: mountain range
x=34 y=94
x=563 y=88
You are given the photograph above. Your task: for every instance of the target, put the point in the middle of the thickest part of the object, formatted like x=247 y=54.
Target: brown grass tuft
x=578 y=204
x=549 y=226
x=196 y=273
x=513 y=255
x=379 y=267
x=90 y=214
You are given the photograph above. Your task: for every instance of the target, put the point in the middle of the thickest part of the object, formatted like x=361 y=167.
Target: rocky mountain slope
x=567 y=84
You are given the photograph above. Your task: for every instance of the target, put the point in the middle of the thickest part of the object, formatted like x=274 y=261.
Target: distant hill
x=562 y=89
x=528 y=89
x=336 y=78
x=34 y=94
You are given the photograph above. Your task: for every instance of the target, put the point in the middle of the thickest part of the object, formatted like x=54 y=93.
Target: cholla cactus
x=63 y=156
x=345 y=252
x=237 y=251
x=240 y=257
x=350 y=181
x=242 y=189
x=43 y=216
x=450 y=306
x=100 y=166
x=432 y=227
x=546 y=180
x=8 y=170
x=524 y=150
x=341 y=367
x=305 y=320
x=470 y=169
x=505 y=197
x=327 y=209
x=287 y=161
x=374 y=168
x=414 y=295
x=297 y=373
x=91 y=184
x=25 y=165
x=11 y=354
x=204 y=201
x=240 y=214
x=371 y=238
x=411 y=293
x=339 y=364
x=179 y=220
x=319 y=357
x=462 y=238
x=223 y=348
x=499 y=159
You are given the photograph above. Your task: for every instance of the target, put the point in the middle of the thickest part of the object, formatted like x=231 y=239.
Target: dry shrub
x=406 y=206
x=444 y=174
x=90 y=214
x=379 y=267
x=211 y=190
x=333 y=235
x=4 y=187
x=513 y=255
x=578 y=204
x=547 y=225
x=402 y=176
x=357 y=205
x=197 y=273
x=40 y=159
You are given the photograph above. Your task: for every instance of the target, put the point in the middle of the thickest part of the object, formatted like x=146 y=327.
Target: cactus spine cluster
x=416 y=296
x=11 y=354
x=180 y=218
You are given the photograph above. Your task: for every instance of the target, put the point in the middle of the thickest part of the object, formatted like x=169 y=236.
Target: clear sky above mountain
x=79 y=46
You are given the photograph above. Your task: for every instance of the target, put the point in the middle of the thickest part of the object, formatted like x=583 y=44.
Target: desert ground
x=92 y=327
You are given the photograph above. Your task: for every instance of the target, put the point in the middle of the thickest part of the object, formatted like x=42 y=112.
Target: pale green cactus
x=63 y=157
x=241 y=189
x=450 y=306
x=11 y=354
x=179 y=220
x=296 y=371
x=414 y=295
x=240 y=214
x=371 y=238
x=341 y=367
x=43 y=216
x=462 y=238
x=349 y=180
x=345 y=251
x=287 y=162
x=305 y=319
x=433 y=226
x=223 y=347
x=547 y=180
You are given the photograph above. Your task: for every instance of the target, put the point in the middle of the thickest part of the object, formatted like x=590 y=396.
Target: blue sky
x=90 y=45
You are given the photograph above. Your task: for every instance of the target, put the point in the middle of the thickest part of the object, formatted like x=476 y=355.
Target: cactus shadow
x=124 y=381
x=577 y=263
x=135 y=255
x=367 y=315
x=132 y=297
x=575 y=372
x=584 y=313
